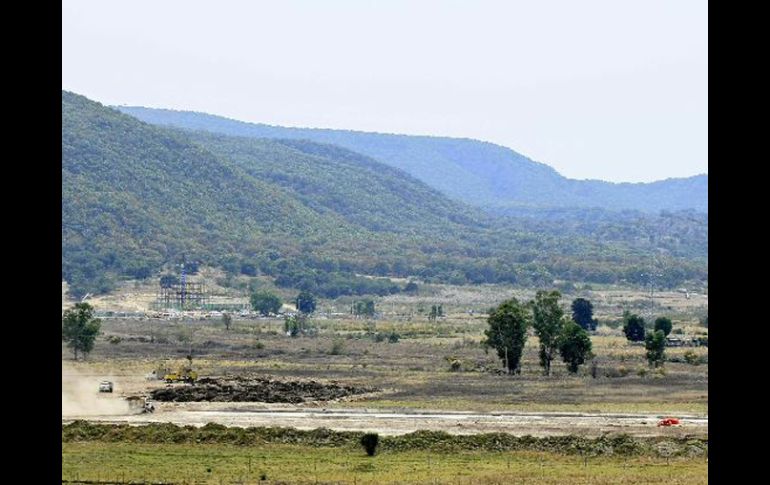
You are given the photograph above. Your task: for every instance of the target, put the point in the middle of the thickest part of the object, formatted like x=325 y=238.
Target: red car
x=668 y=422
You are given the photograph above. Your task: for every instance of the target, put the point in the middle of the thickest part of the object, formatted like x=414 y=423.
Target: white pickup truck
x=105 y=386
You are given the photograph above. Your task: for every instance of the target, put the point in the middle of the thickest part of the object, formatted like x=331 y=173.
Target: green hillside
x=479 y=173
x=137 y=198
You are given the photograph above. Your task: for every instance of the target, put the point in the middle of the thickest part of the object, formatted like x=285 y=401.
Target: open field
x=217 y=464
x=416 y=390
x=413 y=373
x=216 y=454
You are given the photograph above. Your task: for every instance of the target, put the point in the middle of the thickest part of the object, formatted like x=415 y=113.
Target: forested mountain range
x=137 y=198
x=478 y=173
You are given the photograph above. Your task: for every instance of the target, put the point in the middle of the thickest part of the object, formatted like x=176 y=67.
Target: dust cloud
x=80 y=395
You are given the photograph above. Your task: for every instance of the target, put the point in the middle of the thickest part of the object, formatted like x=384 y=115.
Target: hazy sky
x=613 y=90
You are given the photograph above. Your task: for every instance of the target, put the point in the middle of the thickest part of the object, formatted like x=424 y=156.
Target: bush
x=114 y=339
x=692 y=358
x=394 y=337
x=370 y=441
x=338 y=346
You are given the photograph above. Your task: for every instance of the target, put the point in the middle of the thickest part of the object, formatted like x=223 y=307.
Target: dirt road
x=388 y=422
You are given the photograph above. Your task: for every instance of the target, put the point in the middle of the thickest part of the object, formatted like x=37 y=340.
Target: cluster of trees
x=266 y=302
x=507 y=332
x=364 y=308
x=635 y=330
x=436 y=311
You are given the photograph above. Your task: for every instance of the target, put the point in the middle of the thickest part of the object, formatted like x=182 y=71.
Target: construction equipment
x=185 y=374
x=105 y=386
x=140 y=404
x=158 y=374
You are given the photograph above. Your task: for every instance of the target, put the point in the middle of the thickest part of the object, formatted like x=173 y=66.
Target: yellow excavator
x=185 y=374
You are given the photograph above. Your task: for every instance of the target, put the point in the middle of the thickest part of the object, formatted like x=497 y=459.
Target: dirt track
x=395 y=422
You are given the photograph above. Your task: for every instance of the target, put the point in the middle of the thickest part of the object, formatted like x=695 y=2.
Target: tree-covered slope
x=138 y=197
x=479 y=173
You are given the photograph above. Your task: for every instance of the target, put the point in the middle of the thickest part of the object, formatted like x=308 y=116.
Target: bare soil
x=257 y=389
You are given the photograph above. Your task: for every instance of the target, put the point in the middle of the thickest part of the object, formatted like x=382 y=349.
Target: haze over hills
x=137 y=198
x=479 y=173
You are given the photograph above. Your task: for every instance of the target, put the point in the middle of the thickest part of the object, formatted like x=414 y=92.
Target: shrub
x=114 y=339
x=692 y=358
x=338 y=346
x=394 y=337
x=370 y=441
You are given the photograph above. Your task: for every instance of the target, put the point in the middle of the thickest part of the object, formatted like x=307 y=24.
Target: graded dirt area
x=390 y=422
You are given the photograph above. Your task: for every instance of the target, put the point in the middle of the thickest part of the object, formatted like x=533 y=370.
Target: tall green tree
x=583 y=313
x=507 y=332
x=306 y=302
x=80 y=328
x=265 y=302
x=547 y=317
x=664 y=324
x=655 y=344
x=633 y=327
x=364 y=308
x=574 y=345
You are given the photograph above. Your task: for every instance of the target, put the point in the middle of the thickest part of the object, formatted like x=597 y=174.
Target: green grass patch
x=288 y=464
x=438 y=441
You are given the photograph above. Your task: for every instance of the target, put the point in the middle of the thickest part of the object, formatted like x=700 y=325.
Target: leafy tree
x=411 y=288
x=583 y=313
x=364 y=308
x=295 y=324
x=433 y=313
x=633 y=327
x=80 y=328
x=168 y=280
x=655 y=344
x=547 y=321
x=265 y=302
x=664 y=324
x=306 y=302
x=227 y=320
x=507 y=332
x=574 y=345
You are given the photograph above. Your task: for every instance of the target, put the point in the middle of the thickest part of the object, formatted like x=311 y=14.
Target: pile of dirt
x=256 y=389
